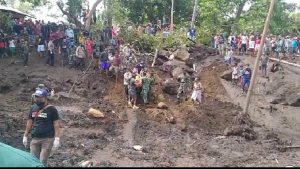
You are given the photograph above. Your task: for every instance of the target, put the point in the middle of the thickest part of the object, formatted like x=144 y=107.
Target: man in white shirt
x=244 y=40
x=127 y=77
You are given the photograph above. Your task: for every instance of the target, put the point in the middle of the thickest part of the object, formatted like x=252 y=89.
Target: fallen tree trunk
x=285 y=62
x=156 y=53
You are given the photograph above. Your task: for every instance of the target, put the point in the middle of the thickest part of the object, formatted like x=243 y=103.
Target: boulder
x=227 y=75
x=95 y=113
x=182 y=55
x=171 y=120
x=172 y=64
x=162 y=105
x=170 y=86
x=163 y=54
x=160 y=97
x=177 y=72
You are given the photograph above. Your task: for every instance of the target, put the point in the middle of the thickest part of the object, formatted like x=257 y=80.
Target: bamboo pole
x=256 y=66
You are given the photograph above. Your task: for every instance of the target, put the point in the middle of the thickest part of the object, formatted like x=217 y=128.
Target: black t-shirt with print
x=43 y=125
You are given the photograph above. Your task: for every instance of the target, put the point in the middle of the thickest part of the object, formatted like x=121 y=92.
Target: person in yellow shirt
x=82 y=39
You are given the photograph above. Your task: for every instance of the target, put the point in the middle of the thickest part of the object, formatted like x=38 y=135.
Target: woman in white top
x=235 y=74
x=11 y=47
x=197 y=92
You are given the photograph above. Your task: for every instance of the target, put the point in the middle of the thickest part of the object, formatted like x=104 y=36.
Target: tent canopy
x=16 y=13
x=12 y=157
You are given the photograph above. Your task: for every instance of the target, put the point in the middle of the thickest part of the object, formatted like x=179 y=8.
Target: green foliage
x=36 y=2
x=25 y=6
x=149 y=43
x=74 y=7
x=145 y=11
x=7 y=26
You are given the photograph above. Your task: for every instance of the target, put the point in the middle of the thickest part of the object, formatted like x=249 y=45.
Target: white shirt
x=165 y=34
x=244 y=39
x=127 y=77
x=12 y=43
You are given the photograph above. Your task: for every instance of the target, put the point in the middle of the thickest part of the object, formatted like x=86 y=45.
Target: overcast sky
x=53 y=13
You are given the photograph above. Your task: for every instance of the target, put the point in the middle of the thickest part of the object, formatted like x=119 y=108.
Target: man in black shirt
x=63 y=51
x=43 y=122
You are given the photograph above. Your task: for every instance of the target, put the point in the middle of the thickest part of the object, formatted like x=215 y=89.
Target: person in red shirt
x=89 y=47
x=116 y=62
x=2 y=46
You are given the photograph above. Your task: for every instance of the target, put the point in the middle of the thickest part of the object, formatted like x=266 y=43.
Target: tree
x=89 y=17
x=72 y=9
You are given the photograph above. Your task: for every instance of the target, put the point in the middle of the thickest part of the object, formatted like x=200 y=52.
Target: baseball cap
x=41 y=93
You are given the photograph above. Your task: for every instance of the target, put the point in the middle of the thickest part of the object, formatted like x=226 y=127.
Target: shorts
x=105 y=65
x=41 y=48
x=132 y=93
x=257 y=47
x=11 y=50
x=2 y=51
x=264 y=66
x=115 y=68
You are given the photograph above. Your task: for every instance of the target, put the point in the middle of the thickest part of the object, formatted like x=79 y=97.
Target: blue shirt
x=69 y=33
x=192 y=32
x=247 y=74
x=294 y=43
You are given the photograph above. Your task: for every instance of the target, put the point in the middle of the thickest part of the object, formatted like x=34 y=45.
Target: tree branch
x=89 y=18
x=70 y=17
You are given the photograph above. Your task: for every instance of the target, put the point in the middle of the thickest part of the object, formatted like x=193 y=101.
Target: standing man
x=147 y=81
x=244 y=40
x=182 y=90
x=50 y=58
x=246 y=78
x=80 y=55
x=43 y=123
x=264 y=60
x=25 y=52
x=221 y=44
x=70 y=36
x=127 y=77
x=280 y=48
x=63 y=51
x=192 y=33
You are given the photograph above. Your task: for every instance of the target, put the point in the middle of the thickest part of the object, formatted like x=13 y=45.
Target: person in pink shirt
x=216 y=40
x=89 y=47
x=257 y=44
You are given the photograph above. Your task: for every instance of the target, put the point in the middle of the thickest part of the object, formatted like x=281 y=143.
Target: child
x=228 y=56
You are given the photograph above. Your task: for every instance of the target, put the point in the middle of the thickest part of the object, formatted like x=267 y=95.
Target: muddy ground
x=195 y=139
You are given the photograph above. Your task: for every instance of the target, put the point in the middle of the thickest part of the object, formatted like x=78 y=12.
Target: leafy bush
x=6 y=24
x=149 y=43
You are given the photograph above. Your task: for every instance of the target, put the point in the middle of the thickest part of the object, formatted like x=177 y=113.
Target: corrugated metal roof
x=5 y=8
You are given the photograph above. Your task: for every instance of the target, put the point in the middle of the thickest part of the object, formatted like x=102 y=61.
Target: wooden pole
x=172 y=15
x=285 y=62
x=256 y=66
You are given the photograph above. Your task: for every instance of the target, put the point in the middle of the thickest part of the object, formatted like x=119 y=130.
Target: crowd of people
x=108 y=53
x=276 y=46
